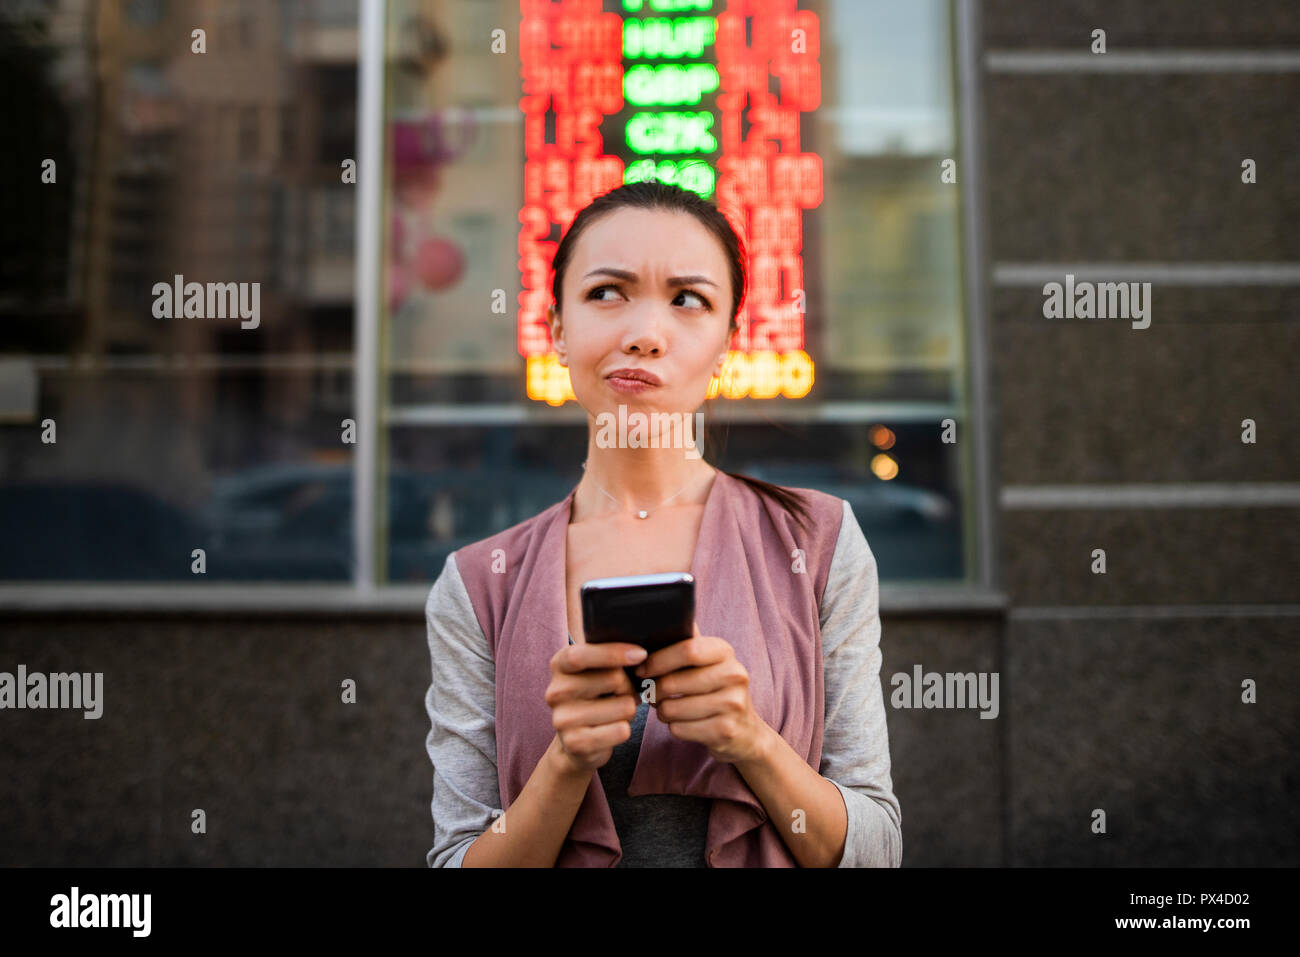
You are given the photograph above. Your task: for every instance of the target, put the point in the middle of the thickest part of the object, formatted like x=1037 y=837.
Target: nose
x=644 y=335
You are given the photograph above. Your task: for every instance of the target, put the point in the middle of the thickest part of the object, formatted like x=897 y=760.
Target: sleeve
x=461 y=703
x=855 y=742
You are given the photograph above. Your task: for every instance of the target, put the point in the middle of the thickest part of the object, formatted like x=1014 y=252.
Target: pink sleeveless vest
x=759 y=579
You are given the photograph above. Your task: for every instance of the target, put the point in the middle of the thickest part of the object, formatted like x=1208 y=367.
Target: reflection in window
x=171 y=435
x=248 y=134
x=144 y=12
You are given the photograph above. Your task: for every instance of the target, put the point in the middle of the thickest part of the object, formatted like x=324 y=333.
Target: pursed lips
x=634 y=375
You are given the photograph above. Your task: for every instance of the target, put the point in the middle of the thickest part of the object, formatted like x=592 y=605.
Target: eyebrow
x=631 y=277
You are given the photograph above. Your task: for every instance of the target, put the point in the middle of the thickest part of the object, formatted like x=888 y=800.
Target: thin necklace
x=643 y=512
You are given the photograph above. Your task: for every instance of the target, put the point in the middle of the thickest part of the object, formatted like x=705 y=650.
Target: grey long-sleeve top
x=461 y=701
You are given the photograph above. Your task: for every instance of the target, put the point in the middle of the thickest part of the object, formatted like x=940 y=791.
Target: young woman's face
x=648 y=290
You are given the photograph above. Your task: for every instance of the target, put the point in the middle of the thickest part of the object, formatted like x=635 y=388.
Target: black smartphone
x=653 y=611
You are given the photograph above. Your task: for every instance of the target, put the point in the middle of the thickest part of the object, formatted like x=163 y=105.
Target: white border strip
x=1154 y=495
x=1163 y=273
x=370 y=175
x=1142 y=61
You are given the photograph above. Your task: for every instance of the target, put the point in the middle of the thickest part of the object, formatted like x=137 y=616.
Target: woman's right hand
x=587 y=725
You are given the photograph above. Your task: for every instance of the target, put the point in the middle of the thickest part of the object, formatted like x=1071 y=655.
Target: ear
x=557 y=332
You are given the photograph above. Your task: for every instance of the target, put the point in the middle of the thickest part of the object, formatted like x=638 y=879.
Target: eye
x=689 y=292
x=592 y=294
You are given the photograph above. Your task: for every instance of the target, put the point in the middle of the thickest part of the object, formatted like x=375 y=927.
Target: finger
x=623 y=683
x=591 y=683
x=580 y=657
x=596 y=737
x=701 y=730
x=697 y=707
x=695 y=681
x=630 y=685
x=570 y=715
x=688 y=653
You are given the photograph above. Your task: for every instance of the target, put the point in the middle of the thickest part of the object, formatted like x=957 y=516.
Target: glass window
x=288 y=132
x=144 y=12
x=249 y=135
x=139 y=425
x=851 y=364
x=335 y=93
x=177 y=365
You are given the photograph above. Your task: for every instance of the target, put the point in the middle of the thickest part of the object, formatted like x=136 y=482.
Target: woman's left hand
x=714 y=708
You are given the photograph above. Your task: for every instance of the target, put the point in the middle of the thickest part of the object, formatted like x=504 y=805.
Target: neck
x=639 y=479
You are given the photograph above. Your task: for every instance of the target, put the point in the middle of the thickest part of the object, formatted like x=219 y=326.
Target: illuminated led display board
x=682 y=90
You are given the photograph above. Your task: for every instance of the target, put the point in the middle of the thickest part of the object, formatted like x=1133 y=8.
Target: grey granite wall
x=1124 y=690
x=243 y=718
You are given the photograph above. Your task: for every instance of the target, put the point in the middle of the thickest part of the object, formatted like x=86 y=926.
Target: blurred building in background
x=220 y=166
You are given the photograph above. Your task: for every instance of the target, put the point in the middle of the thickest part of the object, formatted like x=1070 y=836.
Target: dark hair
x=656 y=195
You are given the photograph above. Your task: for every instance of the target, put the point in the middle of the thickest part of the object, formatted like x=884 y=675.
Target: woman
x=762 y=741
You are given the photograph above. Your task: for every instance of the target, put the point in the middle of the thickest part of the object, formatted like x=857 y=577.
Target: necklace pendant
x=642 y=514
